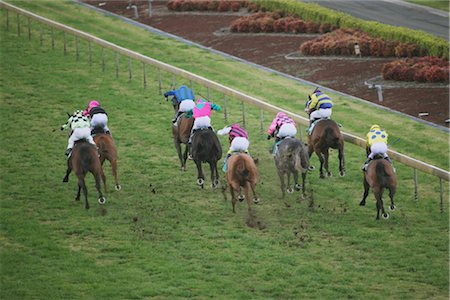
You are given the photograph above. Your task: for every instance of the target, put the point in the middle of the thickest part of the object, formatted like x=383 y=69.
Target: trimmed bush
x=423 y=69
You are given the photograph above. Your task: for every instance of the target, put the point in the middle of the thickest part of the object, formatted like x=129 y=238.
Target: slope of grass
x=162 y=236
x=438 y=4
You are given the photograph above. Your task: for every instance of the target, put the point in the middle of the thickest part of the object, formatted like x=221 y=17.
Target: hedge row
x=202 y=5
x=312 y=12
x=423 y=69
x=276 y=22
x=342 y=42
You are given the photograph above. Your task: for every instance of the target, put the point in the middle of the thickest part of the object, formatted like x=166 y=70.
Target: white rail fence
x=208 y=84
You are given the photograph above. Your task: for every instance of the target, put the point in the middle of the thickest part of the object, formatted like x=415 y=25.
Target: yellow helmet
x=374 y=127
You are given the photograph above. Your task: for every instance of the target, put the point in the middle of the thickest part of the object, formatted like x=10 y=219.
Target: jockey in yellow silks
x=376 y=144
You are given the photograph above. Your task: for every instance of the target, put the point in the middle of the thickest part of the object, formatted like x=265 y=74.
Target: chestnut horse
x=292 y=157
x=181 y=132
x=85 y=159
x=380 y=175
x=326 y=134
x=107 y=150
x=241 y=172
x=206 y=148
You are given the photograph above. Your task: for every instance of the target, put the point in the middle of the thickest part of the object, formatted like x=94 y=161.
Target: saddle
x=98 y=130
x=313 y=124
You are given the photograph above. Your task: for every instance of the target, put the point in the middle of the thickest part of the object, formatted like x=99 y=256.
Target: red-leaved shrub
x=421 y=69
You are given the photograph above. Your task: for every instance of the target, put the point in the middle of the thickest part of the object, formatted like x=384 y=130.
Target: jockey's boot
x=68 y=152
x=366 y=164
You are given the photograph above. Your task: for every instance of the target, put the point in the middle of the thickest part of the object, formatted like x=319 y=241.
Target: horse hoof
x=362 y=203
x=102 y=200
x=117 y=187
x=256 y=200
x=342 y=173
x=310 y=168
x=298 y=187
x=65 y=179
x=329 y=174
x=392 y=207
x=215 y=183
x=241 y=198
x=290 y=190
x=385 y=216
x=200 y=181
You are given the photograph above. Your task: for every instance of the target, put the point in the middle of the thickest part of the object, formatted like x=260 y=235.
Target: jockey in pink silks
x=282 y=126
x=238 y=138
x=202 y=115
x=99 y=117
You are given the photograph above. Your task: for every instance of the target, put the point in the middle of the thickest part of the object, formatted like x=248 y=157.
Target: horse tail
x=241 y=169
x=382 y=175
x=330 y=137
x=85 y=158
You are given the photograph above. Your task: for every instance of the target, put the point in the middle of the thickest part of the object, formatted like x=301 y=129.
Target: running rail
x=404 y=159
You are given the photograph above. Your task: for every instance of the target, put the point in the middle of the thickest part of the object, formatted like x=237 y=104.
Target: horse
x=206 y=148
x=291 y=158
x=181 y=132
x=241 y=172
x=325 y=135
x=107 y=150
x=380 y=175
x=85 y=159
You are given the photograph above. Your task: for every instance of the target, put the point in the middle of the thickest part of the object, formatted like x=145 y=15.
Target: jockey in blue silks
x=184 y=97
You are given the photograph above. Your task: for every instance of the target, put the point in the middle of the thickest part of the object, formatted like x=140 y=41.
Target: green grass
x=438 y=4
x=182 y=241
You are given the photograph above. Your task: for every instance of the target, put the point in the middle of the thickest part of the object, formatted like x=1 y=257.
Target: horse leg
x=233 y=197
x=392 y=191
x=310 y=152
x=289 y=189
x=319 y=154
x=200 y=176
x=341 y=161
x=185 y=156
x=178 y=147
x=281 y=175
x=69 y=169
x=255 y=196
x=296 y=185
x=326 y=155
x=97 y=176
x=214 y=177
x=366 y=192
x=82 y=185
x=247 y=195
x=114 y=172
x=303 y=184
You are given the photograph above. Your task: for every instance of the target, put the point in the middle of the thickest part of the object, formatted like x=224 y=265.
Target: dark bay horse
x=292 y=157
x=206 y=148
x=326 y=134
x=107 y=150
x=241 y=172
x=85 y=159
x=181 y=132
x=380 y=175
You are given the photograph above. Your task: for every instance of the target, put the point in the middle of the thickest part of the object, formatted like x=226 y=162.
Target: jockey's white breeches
x=186 y=105
x=378 y=148
x=99 y=120
x=78 y=134
x=239 y=144
x=320 y=113
x=287 y=130
x=202 y=122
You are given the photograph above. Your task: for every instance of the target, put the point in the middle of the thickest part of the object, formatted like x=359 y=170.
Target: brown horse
x=241 y=172
x=85 y=159
x=291 y=158
x=206 y=148
x=380 y=175
x=107 y=150
x=181 y=132
x=325 y=135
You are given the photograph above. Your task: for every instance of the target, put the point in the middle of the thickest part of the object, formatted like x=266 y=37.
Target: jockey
x=318 y=107
x=185 y=97
x=282 y=126
x=80 y=127
x=202 y=115
x=376 y=143
x=238 y=138
x=99 y=117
